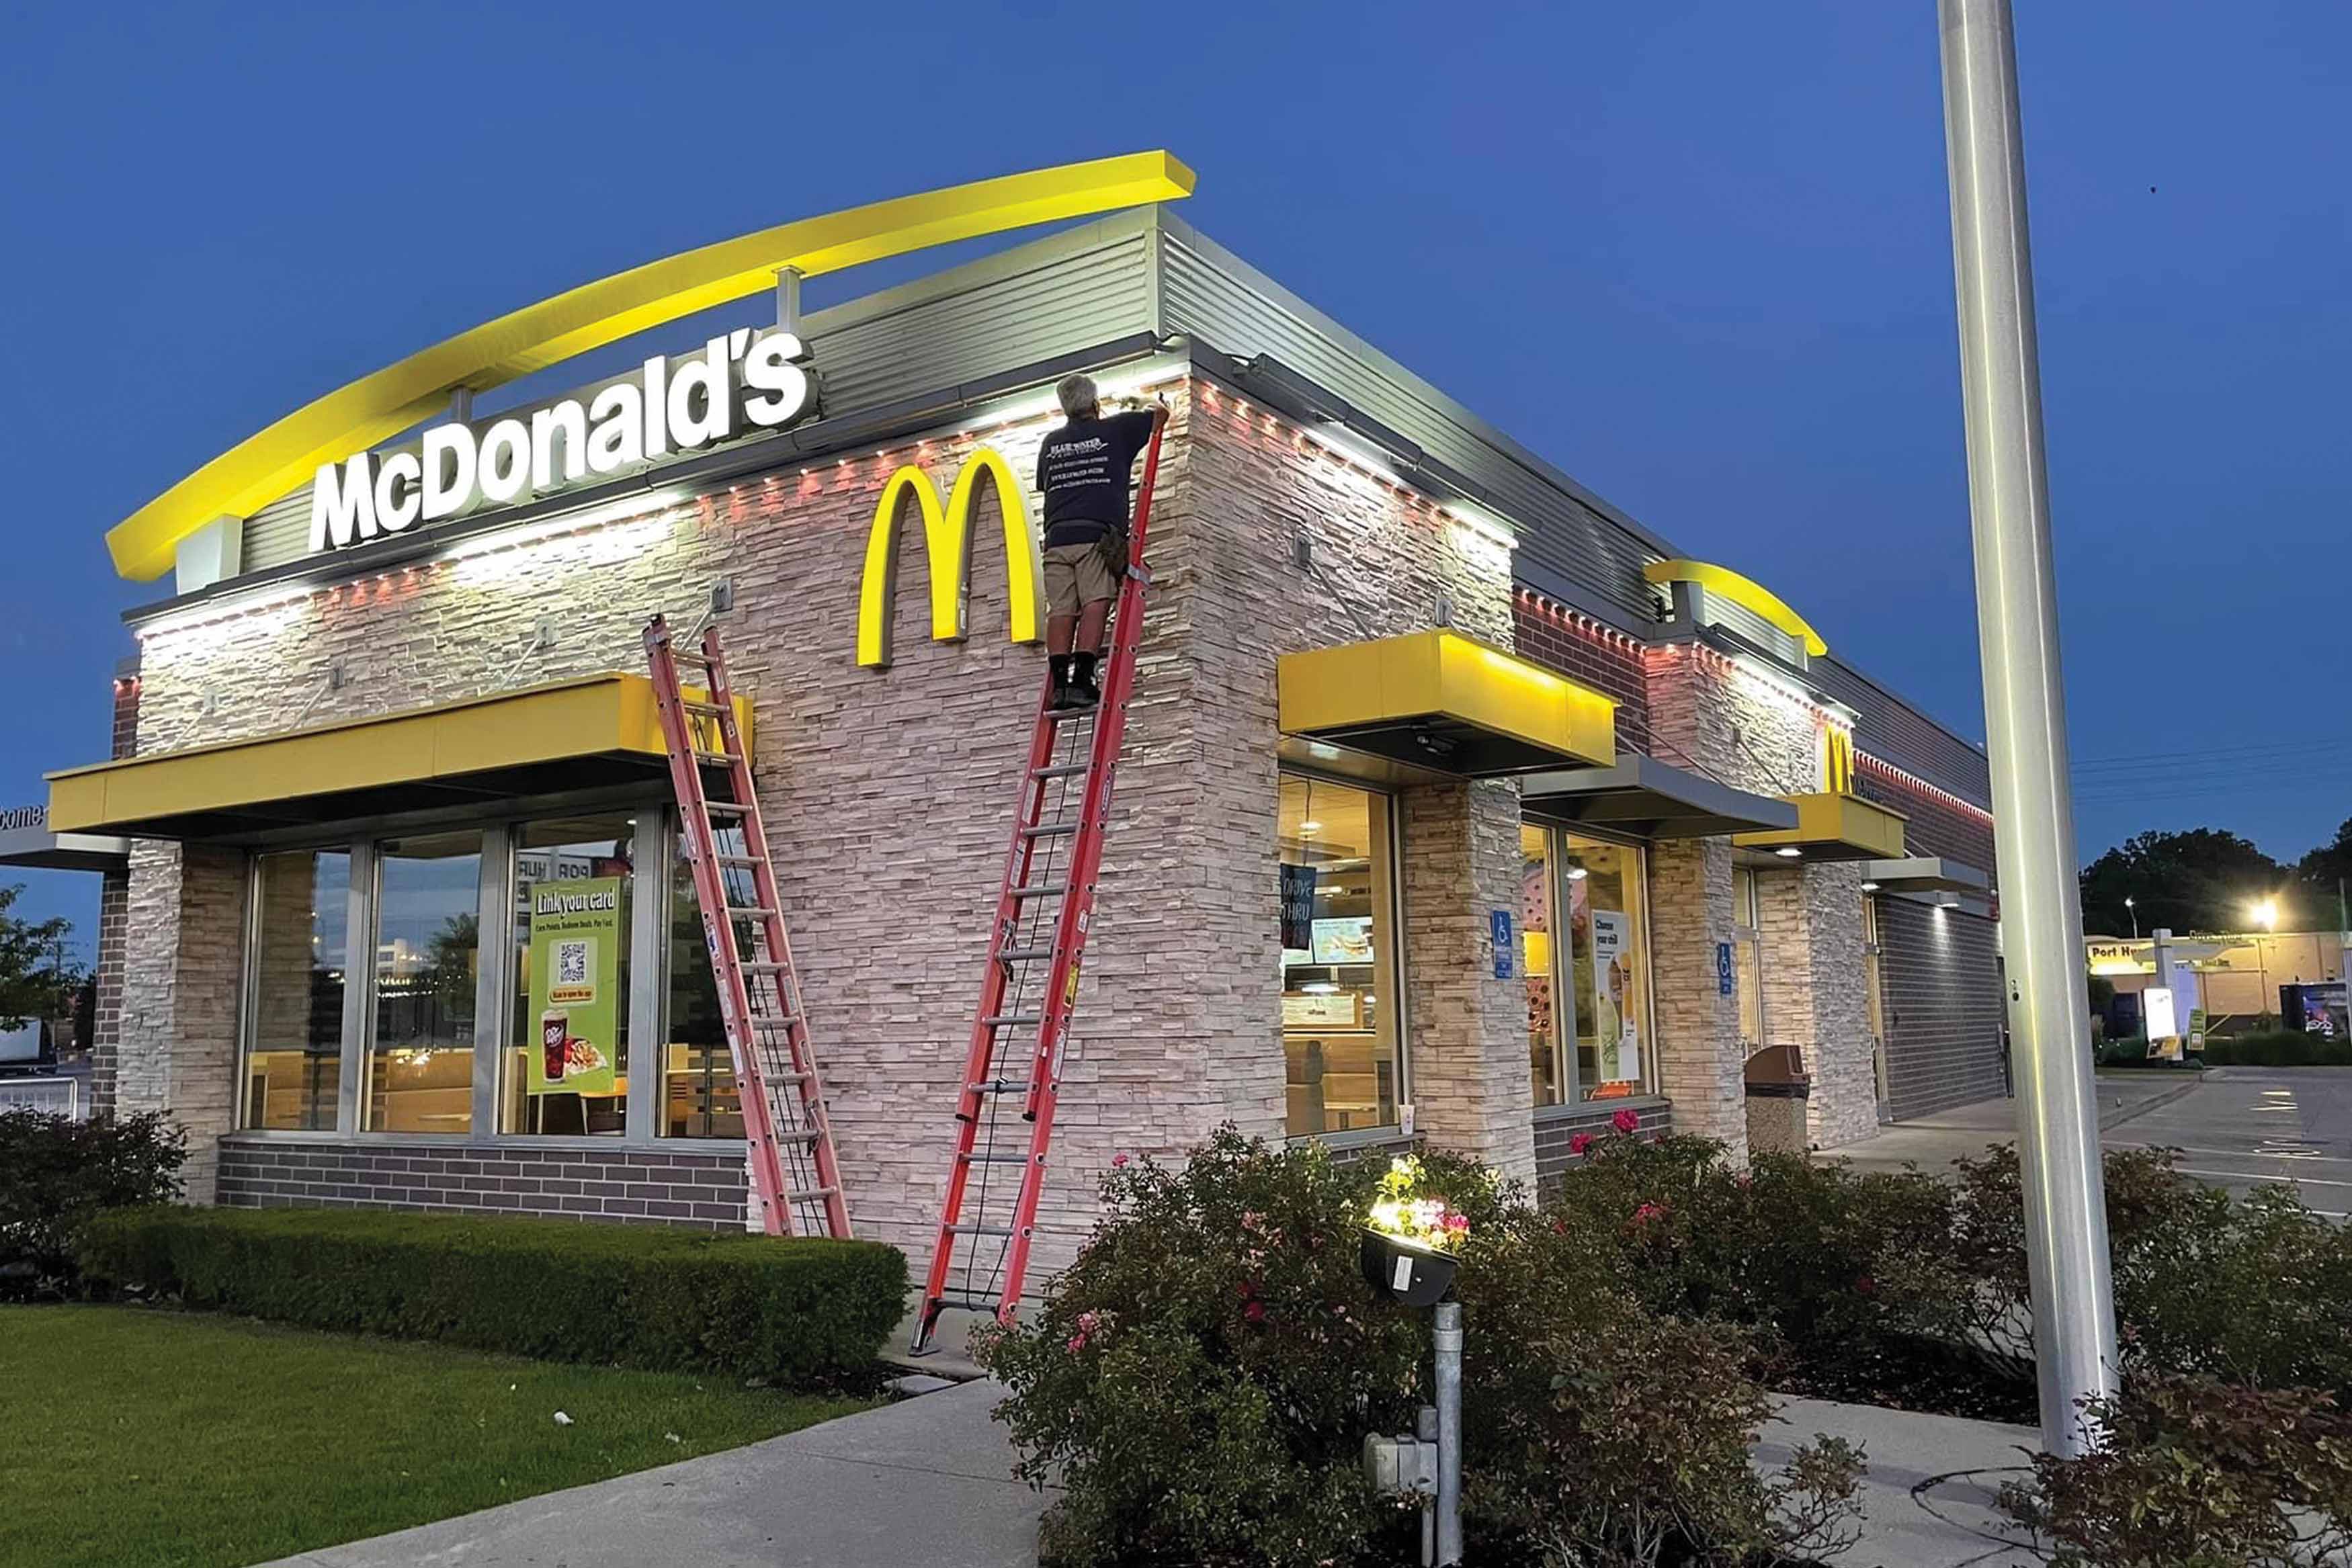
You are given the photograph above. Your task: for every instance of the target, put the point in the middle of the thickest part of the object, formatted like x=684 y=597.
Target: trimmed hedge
x=2277 y=1048
x=797 y=1312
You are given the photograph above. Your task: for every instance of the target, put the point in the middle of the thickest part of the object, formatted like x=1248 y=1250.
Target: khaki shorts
x=1082 y=574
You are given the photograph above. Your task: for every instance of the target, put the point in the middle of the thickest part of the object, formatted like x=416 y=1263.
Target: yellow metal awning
x=1440 y=702
x=589 y=733
x=1834 y=827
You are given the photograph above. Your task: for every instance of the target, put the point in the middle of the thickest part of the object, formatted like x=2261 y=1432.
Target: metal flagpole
x=2025 y=719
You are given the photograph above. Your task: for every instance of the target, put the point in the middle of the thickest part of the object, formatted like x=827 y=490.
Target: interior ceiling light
x=1788 y=852
x=1870 y=887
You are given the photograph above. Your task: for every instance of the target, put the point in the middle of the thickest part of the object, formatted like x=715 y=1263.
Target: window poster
x=1616 y=1037
x=575 y=985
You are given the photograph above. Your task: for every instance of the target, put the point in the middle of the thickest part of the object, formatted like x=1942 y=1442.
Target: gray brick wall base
x=692 y=1188
x=1556 y=1128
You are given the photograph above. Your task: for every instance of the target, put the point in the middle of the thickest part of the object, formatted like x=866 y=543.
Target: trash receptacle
x=1777 y=1088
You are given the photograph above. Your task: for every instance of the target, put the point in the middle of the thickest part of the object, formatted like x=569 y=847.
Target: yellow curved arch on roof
x=1745 y=593
x=267 y=465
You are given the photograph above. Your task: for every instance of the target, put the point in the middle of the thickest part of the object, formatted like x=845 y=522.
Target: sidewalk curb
x=2154 y=1102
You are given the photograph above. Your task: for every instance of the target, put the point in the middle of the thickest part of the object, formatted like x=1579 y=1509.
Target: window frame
x=1563 y=958
x=657 y=819
x=1400 y=1003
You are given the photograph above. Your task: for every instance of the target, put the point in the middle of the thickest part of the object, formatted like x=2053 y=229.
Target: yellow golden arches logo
x=947 y=555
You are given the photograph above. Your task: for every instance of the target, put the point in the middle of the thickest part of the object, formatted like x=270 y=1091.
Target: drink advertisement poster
x=1615 y=1038
x=575 y=985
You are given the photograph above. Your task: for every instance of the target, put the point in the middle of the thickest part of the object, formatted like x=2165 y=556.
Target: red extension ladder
x=795 y=1181
x=1030 y=979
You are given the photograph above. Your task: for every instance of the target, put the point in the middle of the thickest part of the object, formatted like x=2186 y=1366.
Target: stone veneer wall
x=113 y=911
x=898 y=784
x=1943 y=1008
x=674 y=1186
x=1712 y=716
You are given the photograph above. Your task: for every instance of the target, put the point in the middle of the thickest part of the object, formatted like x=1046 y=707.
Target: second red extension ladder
x=795 y=1180
x=1030 y=984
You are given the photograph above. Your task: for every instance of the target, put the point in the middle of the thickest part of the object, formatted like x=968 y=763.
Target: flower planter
x=1408 y=1275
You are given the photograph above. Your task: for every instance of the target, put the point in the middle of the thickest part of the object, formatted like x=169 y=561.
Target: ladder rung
x=714 y=759
x=975 y=1158
x=978 y=1229
x=749 y=912
x=809 y=1136
x=1061 y=716
x=966 y=1300
x=1039 y=892
x=776 y=1020
x=1012 y=1020
x=812 y=1194
x=1060 y=770
x=1050 y=831
x=692 y=705
x=735 y=860
x=732 y=808
x=1000 y=1086
x=765 y=966
x=1022 y=955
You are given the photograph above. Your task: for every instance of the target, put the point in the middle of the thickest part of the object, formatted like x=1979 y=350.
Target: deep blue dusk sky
x=1697 y=255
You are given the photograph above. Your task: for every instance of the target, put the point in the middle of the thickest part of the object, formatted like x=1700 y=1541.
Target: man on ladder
x=1083 y=472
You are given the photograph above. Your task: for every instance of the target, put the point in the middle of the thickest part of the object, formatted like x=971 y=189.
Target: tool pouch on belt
x=1114 y=549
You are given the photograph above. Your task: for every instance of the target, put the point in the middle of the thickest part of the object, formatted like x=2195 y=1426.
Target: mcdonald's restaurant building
x=1456 y=806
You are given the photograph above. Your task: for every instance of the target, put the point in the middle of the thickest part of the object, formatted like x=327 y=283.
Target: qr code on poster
x=571 y=963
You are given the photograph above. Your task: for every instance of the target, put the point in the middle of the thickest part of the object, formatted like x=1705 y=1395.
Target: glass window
x=294 y=1050
x=420 y=1069
x=1746 y=957
x=1338 y=958
x=697 y=1073
x=1544 y=1075
x=567 y=849
x=1610 y=978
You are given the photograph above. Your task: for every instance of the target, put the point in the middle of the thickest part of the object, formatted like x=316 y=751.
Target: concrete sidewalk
x=926 y=1483
x=1933 y=1143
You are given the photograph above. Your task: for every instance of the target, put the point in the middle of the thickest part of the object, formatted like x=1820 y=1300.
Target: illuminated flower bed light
x=1411 y=1236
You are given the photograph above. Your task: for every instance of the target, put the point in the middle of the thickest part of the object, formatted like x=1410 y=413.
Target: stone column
x=178 y=1051
x=1844 y=1104
x=1700 y=1061
x=1468 y=1030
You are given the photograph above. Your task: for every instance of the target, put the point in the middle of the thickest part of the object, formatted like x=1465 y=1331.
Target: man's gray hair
x=1076 y=393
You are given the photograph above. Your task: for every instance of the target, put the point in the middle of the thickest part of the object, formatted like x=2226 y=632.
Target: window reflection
x=294 y=1063
x=1536 y=956
x=1609 y=981
x=697 y=1073
x=427 y=958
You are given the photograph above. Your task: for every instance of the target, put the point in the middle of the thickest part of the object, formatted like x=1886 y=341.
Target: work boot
x=1084 y=693
x=1058 y=696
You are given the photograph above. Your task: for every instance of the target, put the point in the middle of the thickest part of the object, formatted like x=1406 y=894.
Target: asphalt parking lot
x=2245 y=1125
x=2235 y=1127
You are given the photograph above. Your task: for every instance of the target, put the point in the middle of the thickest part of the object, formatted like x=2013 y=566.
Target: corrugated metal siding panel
x=1754 y=628
x=1891 y=728
x=279 y=532
x=871 y=352
x=1561 y=533
x=1061 y=307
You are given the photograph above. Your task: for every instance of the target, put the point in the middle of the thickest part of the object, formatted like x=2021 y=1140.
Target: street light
x=2265 y=914
x=2134 y=918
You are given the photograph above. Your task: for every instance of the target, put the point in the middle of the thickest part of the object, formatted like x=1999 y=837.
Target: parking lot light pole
x=2025 y=722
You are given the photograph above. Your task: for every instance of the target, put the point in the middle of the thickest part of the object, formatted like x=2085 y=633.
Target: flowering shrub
x=1202 y=1379
x=2197 y=1473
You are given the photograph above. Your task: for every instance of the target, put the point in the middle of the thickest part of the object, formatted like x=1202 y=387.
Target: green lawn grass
x=179 y=1440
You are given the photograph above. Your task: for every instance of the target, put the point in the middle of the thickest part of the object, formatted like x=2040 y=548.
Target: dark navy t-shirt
x=1082 y=470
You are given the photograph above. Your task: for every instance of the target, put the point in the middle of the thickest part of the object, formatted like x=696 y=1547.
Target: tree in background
x=36 y=980
x=2323 y=871
x=2201 y=880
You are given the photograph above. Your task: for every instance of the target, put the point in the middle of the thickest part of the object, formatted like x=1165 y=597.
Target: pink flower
x=1625 y=1122
x=1579 y=1143
x=1118 y=1161
x=1089 y=1321
x=1743 y=1181
x=1251 y=1220
x=1457 y=1223
x=1254 y=1312
x=1867 y=1285
x=1648 y=1212
x=1077 y=1342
